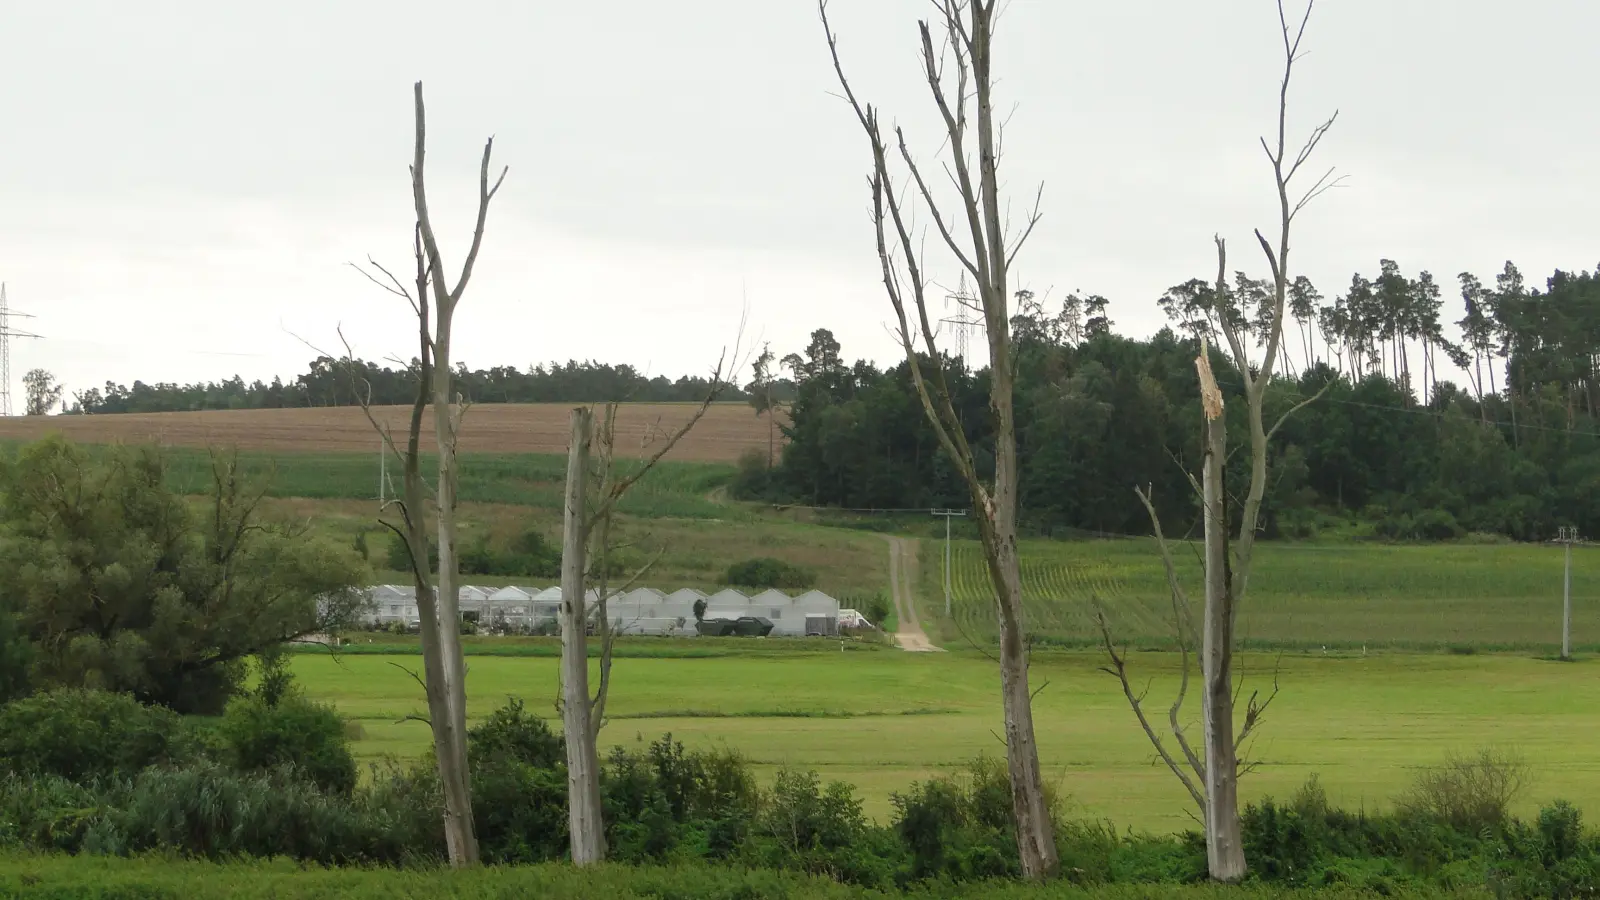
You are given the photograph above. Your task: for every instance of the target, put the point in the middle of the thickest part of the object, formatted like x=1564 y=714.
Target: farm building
x=639 y=611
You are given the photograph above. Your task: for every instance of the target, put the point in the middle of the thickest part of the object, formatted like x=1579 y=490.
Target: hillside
x=728 y=429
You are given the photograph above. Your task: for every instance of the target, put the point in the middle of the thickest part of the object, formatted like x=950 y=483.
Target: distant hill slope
x=728 y=429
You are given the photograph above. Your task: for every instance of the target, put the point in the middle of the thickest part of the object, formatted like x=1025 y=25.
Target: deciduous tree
x=43 y=393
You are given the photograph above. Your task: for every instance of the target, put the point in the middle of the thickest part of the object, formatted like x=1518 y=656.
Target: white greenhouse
x=639 y=611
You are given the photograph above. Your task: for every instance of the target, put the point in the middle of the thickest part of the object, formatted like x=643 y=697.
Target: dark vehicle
x=752 y=626
x=715 y=627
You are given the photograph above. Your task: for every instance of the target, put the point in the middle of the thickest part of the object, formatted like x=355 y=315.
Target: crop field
x=882 y=720
x=728 y=429
x=1447 y=596
x=693 y=552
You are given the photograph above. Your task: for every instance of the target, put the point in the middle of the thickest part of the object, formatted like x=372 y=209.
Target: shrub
x=754 y=478
x=398 y=559
x=520 y=810
x=876 y=606
x=208 y=811
x=766 y=572
x=529 y=554
x=1467 y=792
x=45 y=812
x=310 y=737
x=80 y=734
x=961 y=828
x=511 y=733
x=665 y=795
x=822 y=831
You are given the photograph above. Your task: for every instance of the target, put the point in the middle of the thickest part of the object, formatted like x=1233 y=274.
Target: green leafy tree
x=121 y=585
x=43 y=393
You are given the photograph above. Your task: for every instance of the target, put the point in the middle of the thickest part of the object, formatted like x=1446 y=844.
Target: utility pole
x=948 y=514
x=6 y=334
x=1567 y=535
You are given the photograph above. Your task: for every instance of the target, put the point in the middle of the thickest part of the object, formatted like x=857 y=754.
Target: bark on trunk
x=1035 y=831
x=584 y=822
x=452 y=734
x=1224 y=849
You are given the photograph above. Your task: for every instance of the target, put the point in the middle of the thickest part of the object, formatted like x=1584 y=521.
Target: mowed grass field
x=726 y=431
x=1302 y=595
x=882 y=720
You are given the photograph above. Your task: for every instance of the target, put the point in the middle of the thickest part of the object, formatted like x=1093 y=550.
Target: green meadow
x=1457 y=597
x=881 y=720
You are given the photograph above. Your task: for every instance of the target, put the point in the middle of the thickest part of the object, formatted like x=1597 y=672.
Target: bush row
x=99 y=774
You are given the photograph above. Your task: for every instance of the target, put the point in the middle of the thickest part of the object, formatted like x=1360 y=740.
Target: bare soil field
x=728 y=429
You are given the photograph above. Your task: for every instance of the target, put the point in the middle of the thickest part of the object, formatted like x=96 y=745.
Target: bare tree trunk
x=1224 y=848
x=584 y=820
x=447 y=676
x=453 y=734
x=1034 y=826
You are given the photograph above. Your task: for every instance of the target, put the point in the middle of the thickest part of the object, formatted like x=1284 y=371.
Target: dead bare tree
x=594 y=488
x=985 y=253
x=437 y=592
x=1214 y=785
x=447 y=415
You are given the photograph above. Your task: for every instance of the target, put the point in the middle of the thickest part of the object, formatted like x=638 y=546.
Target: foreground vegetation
x=100 y=775
x=70 y=878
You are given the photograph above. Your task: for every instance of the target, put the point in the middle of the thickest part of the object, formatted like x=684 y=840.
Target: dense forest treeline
x=1392 y=445
x=328 y=382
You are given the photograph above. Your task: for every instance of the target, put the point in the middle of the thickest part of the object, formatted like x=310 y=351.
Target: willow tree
x=1211 y=774
x=958 y=68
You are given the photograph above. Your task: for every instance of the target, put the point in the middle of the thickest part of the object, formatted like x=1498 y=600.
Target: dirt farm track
x=727 y=430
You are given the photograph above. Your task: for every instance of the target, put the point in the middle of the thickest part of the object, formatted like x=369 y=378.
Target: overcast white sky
x=181 y=183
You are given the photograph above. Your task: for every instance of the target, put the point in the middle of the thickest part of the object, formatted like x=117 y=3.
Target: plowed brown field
x=727 y=430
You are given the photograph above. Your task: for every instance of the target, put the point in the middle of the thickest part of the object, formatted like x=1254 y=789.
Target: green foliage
x=81 y=735
x=291 y=733
x=397 y=557
x=213 y=812
x=276 y=679
x=767 y=572
x=753 y=479
x=875 y=606
x=511 y=733
x=1418 y=458
x=119 y=585
x=529 y=555
x=519 y=786
x=806 y=826
x=665 y=796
